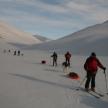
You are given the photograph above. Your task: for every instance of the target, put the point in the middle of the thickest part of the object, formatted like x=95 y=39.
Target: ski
x=106 y=93
x=101 y=95
x=94 y=94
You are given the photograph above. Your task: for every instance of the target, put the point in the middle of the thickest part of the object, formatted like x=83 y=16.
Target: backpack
x=73 y=75
x=91 y=64
x=68 y=56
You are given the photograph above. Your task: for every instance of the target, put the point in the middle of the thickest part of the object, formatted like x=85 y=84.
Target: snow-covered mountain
x=4 y=45
x=42 y=38
x=12 y=35
x=94 y=38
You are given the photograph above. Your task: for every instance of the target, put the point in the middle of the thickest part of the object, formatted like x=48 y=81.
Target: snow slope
x=5 y=46
x=42 y=38
x=94 y=38
x=26 y=83
x=12 y=35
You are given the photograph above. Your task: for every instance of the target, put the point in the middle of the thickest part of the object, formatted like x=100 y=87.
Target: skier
x=18 y=52
x=15 y=52
x=91 y=66
x=54 y=58
x=9 y=50
x=67 y=57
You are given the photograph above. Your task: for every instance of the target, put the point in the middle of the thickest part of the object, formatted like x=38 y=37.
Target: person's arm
x=85 y=65
x=100 y=65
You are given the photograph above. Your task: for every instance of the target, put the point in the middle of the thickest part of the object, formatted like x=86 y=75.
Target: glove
x=104 y=68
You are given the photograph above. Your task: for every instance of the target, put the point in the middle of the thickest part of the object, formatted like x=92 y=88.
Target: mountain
x=12 y=35
x=4 y=44
x=83 y=42
x=42 y=38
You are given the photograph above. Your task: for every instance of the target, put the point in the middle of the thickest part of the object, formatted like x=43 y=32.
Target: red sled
x=73 y=75
x=43 y=62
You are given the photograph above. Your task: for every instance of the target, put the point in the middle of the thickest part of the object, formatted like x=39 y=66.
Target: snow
x=26 y=83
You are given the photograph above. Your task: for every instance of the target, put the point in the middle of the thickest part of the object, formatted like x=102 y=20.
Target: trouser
x=68 y=61
x=90 y=78
x=54 y=62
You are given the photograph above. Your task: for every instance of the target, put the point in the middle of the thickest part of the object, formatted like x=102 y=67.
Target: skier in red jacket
x=67 y=57
x=91 y=66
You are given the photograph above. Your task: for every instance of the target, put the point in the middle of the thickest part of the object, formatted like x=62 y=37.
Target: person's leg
x=56 y=62
x=88 y=81
x=53 y=62
x=68 y=62
x=93 y=82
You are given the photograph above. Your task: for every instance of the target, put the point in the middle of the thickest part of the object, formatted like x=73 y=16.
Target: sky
x=53 y=18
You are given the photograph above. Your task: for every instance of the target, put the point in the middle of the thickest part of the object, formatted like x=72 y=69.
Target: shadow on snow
x=94 y=103
x=87 y=100
x=42 y=81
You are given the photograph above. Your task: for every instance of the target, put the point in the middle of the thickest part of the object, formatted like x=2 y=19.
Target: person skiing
x=67 y=57
x=18 y=52
x=54 y=58
x=15 y=52
x=91 y=66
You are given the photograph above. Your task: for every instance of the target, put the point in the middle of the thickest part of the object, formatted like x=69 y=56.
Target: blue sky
x=53 y=18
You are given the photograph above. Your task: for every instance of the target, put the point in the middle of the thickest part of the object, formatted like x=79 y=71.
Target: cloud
x=69 y=8
x=58 y=14
x=31 y=17
x=91 y=11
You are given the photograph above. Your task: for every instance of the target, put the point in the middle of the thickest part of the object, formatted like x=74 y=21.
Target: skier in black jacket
x=54 y=58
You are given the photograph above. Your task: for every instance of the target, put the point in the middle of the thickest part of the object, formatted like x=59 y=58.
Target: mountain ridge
x=13 y=35
x=93 y=38
x=42 y=38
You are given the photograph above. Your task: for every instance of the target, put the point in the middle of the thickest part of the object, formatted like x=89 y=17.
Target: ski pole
x=50 y=60
x=81 y=83
x=106 y=82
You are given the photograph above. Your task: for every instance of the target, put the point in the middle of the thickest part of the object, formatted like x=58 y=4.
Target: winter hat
x=93 y=54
